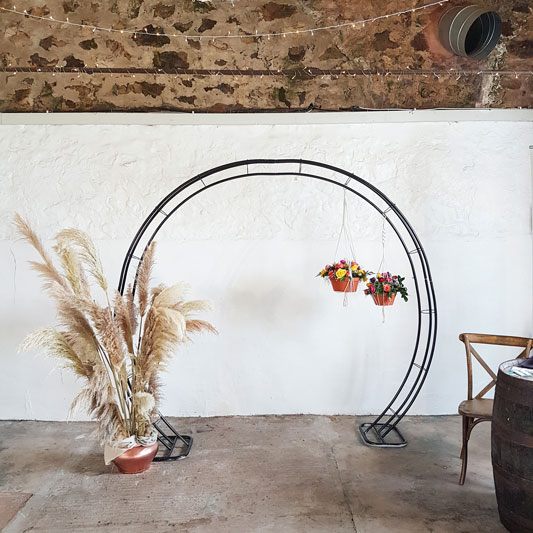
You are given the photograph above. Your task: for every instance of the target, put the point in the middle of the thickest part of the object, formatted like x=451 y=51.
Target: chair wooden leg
x=464 y=449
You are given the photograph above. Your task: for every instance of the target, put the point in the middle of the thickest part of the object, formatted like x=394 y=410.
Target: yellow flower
x=341 y=273
x=323 y=273
x=354 y=268
x=364 y=279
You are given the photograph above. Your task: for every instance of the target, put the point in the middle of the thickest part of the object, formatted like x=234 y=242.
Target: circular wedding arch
x=383 y=430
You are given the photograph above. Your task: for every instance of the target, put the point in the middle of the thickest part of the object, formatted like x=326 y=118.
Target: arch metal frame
x=383 y=430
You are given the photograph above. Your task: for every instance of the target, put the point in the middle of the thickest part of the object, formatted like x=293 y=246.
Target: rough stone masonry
x=406 y=42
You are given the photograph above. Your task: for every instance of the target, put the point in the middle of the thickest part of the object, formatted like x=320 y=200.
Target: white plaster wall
x=286 y=343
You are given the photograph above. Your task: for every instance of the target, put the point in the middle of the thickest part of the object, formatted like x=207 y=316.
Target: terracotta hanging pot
x=350 y=285
x=136 y=459
x=382 y=299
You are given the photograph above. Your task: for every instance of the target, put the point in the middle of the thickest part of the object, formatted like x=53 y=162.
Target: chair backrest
x=501 y=340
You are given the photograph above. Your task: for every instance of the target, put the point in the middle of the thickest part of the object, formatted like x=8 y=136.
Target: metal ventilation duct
x=470 y=31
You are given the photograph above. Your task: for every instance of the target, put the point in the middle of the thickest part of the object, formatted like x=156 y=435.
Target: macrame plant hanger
x=379 y=271
x=348 y=242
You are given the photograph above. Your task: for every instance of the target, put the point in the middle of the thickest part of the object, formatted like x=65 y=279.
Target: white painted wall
x=286 y=343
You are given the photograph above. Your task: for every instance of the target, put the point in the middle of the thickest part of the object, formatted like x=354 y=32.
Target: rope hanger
x=383 y=239
x=348 y=241
x=345 y=230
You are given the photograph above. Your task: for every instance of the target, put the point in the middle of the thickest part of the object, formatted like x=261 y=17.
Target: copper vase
x=350 y=285
x=136 y=459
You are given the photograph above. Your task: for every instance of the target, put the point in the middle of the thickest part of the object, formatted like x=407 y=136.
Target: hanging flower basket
x=384 y=299
x=350 y=285
x=384 y=288
x=344 y=275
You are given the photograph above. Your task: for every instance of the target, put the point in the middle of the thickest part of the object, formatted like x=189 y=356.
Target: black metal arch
x=383 y=431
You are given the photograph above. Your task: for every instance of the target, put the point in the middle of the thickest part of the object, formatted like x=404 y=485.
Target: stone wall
x=242 y=74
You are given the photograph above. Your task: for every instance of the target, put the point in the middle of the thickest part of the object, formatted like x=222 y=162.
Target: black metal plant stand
x=382 y=431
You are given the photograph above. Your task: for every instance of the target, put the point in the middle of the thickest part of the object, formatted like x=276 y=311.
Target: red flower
x=386 y=287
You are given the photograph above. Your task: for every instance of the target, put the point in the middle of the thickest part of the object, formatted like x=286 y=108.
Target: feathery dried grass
x=46 y=269
x=73 y=271
x=98 y=398
x=123 y=316
x=144 y=272
x=171 y=296
x=72 y=315
x=87 y=253
x=109 y=335
x=132 y=309
x=95 y=340
x=154 y=385
x=156 y=291
x=193 y=306
x=56 y=344
x=200 y=326
x=167 y=326
x=144 y=404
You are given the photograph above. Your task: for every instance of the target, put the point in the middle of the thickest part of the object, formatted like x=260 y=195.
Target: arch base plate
x=371 y=436
x=168 y=438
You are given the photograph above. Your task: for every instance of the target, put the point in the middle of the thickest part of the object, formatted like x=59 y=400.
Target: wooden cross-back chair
x=477 y=408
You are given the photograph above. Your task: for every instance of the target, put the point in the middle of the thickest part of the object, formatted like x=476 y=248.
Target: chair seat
x=479 y=408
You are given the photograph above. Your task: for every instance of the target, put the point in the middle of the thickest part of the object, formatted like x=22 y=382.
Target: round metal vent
x=470 y=31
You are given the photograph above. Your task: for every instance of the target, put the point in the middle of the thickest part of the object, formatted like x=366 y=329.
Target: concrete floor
x=254 y=474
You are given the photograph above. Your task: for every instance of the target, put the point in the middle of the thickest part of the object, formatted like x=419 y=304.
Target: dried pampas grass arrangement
x=118 y=348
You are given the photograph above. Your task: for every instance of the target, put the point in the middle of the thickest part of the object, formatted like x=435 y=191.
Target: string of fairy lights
x=294 y=73
x=301 y=74
x=228 y=35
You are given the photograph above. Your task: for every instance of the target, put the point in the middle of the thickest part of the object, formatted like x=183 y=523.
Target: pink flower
x=343 y=261
x=386 y=287
x=372 y=289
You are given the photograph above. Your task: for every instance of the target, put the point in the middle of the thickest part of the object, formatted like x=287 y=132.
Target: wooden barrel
x=512 y=450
